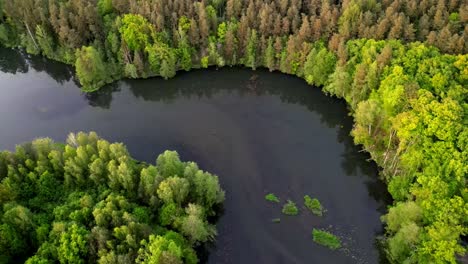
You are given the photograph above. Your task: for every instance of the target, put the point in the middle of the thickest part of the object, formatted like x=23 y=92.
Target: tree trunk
x=388 y=147
x=31 y=35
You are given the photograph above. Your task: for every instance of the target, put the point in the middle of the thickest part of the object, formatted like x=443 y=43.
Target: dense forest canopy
x=110 y=39
x=400 y=65
x=89 y=202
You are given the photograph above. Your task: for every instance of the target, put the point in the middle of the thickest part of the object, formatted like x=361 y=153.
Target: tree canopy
x=400 y=65
x=88 y=201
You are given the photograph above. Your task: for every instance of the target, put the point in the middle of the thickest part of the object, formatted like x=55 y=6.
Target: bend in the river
x=270 y=133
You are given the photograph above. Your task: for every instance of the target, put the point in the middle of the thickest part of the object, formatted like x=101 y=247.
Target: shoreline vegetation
x=401 y=66
x=89 y=201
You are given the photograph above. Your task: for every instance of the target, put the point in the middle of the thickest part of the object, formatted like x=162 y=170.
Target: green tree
x=251 y=54
x=319 y=65
x=73 y=245
x=194 y=227
x=90 y=68
x=270 y=61
x=135 y=31
x=174 y=190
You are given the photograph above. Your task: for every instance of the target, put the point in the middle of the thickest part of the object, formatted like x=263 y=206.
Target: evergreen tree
x=270 y=61
x=251 y=53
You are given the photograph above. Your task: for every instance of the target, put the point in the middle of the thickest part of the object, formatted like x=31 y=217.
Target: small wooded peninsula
x=90 y=201
x=401 y=66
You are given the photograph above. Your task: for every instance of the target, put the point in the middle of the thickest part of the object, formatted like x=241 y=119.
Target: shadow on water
x=17 y=61
x=259 y=131
x=354 y=159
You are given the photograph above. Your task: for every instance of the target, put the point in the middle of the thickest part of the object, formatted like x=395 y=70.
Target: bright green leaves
x=139 y=35
x=313 y=205
x=441 y=243
x=89 y=201
x=409 y=114
x=169 y=248
x=325 y=238
x=136 y=31
x=392 y=91
x=221 y=33
x=319 y=65
x=272 y=198
x=73 y=245
x=290 y=208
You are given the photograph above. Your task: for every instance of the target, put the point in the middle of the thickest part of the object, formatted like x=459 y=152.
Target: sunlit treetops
x=90 y=201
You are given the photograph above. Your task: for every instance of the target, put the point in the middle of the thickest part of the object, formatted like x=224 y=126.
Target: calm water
x=260 y=132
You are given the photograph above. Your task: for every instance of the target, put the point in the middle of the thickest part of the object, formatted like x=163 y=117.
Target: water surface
x=260 y=132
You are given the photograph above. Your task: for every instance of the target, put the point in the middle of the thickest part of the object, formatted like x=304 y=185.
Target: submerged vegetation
x=272 y=198
x=89 y=202
x=313 y=205
x=406 y=87
x=290 y=208
x=325 y=238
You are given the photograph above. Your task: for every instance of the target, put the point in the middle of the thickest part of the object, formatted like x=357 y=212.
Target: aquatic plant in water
x=272 y=198
x=325 y=238
x=313 y=205
x=290 y=208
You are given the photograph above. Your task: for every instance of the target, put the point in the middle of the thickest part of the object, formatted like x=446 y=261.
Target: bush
x=325 y=238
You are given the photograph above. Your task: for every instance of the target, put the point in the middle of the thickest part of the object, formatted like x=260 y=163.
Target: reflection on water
x=260 y=132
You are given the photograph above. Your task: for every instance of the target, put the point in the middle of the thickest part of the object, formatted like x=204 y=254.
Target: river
x=260 y=132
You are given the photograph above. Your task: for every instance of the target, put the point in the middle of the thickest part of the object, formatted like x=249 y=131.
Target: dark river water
x=260 y=132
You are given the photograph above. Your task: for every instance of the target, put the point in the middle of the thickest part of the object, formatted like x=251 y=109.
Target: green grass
x=272 y=198
x=313 y=205
x=325 y=238
x=276 y=220
x=290 y=208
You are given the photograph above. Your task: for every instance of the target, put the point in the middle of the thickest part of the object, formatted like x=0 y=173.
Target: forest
x=89 y=201
x=402 y=67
